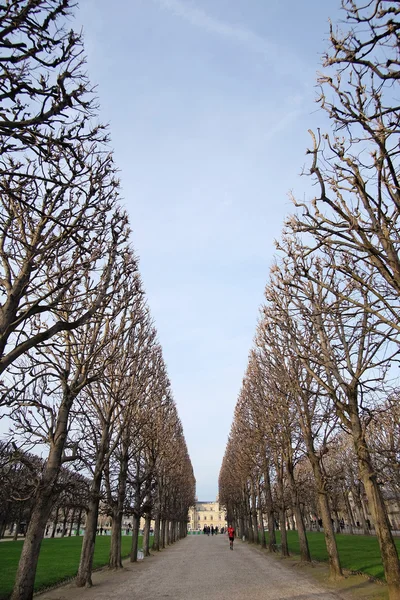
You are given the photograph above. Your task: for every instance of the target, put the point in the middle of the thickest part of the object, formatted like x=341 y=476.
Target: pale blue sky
x=209 y=103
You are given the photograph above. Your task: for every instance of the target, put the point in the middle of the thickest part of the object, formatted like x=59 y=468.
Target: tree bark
x=55 y=522
x=146 y=536
x=169 y=532
x=247 y=520
x=135 y=537
x=84 y=577
x=156 y=540
x=270 y=510
x=335 y=569
x=282 y=523
x=78 y=526
x=162 y=534
x=301 y=531
x=64 y=524
x=17 y=526
x=25 y=578
x=360 y=509
x=377 y=506
x=72 y=522
x=115 y=559
x=349 y=512
x=3 y=527
x=254 y=513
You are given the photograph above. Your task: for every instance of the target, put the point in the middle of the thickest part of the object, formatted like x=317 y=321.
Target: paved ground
x=200 y=568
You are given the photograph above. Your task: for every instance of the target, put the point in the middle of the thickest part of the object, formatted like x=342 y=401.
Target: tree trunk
x=55 y=522
x=304 y=549
x=282 y=509
x=162 y=534
x=254 y=513
x=84 y=577
x=240 y=527
x=156 y=539
x=364 y=511
x=64 y=524
x=263 y=541
x=349 y=512
x=335 y=569
x=270 y=509
x=360 y=509
x=169 y=532
x=377 y=506
x=146 y=536
x=17 y=526
x=247 y=520
x=115 y=559
x=78 y=526
x=3 y=528
x=72 y=522
x=25 y=578
x=135 y=537
x=284 y=542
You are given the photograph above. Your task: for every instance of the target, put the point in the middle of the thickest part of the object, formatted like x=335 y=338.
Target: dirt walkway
x=199 y=568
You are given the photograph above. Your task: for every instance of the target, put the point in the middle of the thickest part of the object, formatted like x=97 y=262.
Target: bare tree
x=58 y=213
x=356 y=213
x=48 y=382
x=312 y=408
x=348 y=357
x=128 y=378
x=44 y=88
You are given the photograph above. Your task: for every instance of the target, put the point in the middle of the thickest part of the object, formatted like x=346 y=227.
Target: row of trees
x=325 y=355
x=19 y=473
x=82 y=370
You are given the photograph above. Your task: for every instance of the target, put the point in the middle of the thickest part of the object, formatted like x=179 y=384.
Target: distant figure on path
x=231 y=536
x=212 y=529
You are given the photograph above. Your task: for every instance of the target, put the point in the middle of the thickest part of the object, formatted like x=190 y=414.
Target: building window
x=211 y=518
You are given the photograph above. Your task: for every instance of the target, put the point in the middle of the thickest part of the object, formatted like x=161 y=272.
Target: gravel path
x=200 y=568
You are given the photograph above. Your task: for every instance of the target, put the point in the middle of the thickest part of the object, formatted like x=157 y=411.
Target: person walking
x=231 y=536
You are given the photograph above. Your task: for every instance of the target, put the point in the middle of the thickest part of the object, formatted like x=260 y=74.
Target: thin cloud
x=274 y=54
x=200 y=19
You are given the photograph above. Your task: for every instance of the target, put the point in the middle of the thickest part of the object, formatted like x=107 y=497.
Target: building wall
x=206 y=514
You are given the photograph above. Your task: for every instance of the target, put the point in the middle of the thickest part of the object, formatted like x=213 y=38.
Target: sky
x=209 y=103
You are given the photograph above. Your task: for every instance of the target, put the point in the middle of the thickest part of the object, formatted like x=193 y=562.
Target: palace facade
x=206 y=513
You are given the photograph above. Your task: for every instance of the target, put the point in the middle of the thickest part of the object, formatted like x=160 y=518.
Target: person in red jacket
x=231 y=536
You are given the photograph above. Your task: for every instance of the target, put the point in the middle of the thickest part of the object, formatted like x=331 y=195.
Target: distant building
x=207 y=513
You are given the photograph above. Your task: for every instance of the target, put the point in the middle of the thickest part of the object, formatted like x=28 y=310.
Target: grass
x=356 y=552
x=58 y=560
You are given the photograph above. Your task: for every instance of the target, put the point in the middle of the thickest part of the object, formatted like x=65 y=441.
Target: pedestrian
x=231 y=536
x=212 y=529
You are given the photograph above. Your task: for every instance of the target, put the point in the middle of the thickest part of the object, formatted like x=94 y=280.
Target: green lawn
x=357 y=552
x=59 y=559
